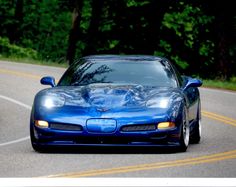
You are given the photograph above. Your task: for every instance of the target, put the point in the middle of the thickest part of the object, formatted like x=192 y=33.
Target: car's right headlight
x=51 y=101
x=162 y=102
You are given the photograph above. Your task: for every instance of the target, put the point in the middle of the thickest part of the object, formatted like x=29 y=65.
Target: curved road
x=215 y=156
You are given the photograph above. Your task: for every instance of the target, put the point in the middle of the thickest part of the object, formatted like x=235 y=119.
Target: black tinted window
x=150 y=73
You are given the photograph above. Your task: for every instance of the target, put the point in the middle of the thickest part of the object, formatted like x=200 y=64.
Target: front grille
x=133 y=128
x=66 y=127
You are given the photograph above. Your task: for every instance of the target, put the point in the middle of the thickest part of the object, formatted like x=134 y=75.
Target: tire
x=185 y=132
x=197 y=131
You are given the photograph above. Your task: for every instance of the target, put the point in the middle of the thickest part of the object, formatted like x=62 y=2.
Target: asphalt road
x=213 y=157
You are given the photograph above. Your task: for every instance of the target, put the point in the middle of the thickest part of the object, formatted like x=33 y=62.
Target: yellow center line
x=147 y=168
x=219 y=119
x=191 y=161
x=226 y=120
x=21 y=74
x=218 y=116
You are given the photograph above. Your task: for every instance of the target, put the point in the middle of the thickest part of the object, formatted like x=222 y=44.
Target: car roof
x=123 y=57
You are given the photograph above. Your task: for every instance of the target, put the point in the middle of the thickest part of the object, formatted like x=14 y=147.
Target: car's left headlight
x=158 y=102
x=52 y=101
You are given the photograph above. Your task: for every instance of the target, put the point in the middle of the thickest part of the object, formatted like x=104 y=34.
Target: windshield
x=146 y=73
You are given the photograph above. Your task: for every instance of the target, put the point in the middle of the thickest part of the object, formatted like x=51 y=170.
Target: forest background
x=198 y=36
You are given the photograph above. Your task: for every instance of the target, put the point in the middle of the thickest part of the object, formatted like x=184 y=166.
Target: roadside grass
x=227 y=85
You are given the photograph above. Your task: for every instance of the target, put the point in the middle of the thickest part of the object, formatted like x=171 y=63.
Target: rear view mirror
x=48 y=81
x=192 y=82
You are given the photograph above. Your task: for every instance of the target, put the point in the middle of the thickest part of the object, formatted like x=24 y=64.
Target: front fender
x=176 y=110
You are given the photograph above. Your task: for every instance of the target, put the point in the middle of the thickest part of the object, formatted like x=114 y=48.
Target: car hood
x=106 y=96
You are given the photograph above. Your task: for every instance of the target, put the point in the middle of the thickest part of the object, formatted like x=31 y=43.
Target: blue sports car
x=117 y=100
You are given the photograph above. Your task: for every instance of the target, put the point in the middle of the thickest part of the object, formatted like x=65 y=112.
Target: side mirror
x=48 y=81
x=190 y=82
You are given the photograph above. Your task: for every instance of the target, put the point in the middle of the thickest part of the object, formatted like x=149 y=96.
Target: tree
x=16 y=30
x=75 y=31
x=225 y=38
x=195 y=35
x=93 y=32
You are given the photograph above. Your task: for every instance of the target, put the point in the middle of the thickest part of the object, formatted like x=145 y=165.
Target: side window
x=170 y=73
x=176 y=73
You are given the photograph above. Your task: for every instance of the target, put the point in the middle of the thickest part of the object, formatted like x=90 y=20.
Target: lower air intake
x=66 y=127
x=134 y=128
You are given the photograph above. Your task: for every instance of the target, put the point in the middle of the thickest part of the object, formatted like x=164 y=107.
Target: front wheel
x=185 y=132
x=197 y=131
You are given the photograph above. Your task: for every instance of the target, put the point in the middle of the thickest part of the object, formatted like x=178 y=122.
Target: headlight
x=166 y=125
x=52 y=101
x=158 y=103
x=41 y=124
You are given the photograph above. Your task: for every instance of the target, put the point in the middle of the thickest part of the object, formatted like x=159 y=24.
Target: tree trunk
x=16 y=31
x=93 y=30
x=74 y=32
x=224 y=38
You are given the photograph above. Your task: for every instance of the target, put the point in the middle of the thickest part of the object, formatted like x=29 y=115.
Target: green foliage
x=113 y=43
x=181 y=63
x=187 y=32
x=183 y=29
x=206 y=48
x=165 y=45
x=11 y=50
x=230 y=85
x=186 y=22
x=49 y=34
x=136 y=3
x=6 y=16
x=86 y=15
x=44 y=27
x=233 y=80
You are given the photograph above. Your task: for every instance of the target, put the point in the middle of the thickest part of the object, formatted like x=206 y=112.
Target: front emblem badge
x=102 y=109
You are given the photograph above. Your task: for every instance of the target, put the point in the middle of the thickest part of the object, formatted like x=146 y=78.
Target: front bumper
x=156 y=137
